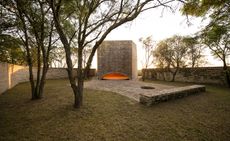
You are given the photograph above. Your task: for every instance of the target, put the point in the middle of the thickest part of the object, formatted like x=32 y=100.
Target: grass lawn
x=107 y=116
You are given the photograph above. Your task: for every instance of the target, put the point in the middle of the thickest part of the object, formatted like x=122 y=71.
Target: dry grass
x=112 y=117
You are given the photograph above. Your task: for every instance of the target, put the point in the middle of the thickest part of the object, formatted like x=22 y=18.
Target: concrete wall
x=117 y=56
x=134 y=61
x=11 y=75
x=206 y=75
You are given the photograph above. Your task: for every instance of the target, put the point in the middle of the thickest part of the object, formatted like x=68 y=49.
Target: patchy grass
x=112 y=117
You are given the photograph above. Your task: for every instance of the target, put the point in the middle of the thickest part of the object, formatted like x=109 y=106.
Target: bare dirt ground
x=129 y=88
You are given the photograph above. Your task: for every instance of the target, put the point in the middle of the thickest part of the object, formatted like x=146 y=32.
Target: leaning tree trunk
x=28 y=55
x=67 y=54
x=174 y=75
x=43 y=79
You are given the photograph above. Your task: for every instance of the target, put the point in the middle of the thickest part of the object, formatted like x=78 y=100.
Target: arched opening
x=115 y=76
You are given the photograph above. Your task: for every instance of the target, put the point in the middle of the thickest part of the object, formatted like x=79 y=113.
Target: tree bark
x=37 y=32
x=66 y=45
x=174 y=74
x=38 y=72
x=43 y=79
x=227 y=75
x=143 y=75
x=80 y=81
x=28 y=55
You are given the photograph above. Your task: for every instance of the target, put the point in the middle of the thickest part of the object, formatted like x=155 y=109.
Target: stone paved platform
x=169 y=94
x=129 y=88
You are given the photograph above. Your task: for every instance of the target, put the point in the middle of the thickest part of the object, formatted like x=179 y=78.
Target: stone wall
x=119 y=57
x=204 y=75
x=11 y=75
x=170 y=94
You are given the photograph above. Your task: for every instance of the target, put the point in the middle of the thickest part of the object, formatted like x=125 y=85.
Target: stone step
x=169 y=94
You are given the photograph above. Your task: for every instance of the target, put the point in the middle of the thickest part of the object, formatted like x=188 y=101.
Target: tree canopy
x=11 y=50
x=31 y=24
x=216 y=35
x=171 y=54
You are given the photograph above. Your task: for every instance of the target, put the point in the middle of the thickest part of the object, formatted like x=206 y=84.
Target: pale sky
x=159 y=26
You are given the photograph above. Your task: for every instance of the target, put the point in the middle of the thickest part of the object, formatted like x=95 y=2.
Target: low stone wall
x=175 y=93
x=11 y=75
x=203 y=75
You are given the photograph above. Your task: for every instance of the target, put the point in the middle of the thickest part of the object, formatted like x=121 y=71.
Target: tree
x=148 y=45
x=86 y=53
x=10 y=46
x=92 y=21
x=57 y=57
x=216 y=34
x=32 y=24
x=195 y=49
x=217 y=38
x=10 y=50
x=171 y=54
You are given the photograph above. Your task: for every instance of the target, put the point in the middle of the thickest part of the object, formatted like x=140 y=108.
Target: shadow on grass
x=110 y=116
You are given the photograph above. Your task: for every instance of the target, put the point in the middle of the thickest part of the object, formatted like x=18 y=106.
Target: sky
x=160 y=25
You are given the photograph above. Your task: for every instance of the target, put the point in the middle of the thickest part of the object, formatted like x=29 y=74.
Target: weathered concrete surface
x=117 y=57
x=174 y=93
x=128 y=88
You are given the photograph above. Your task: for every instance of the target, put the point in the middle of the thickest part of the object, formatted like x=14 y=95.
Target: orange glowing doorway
x=115 y=76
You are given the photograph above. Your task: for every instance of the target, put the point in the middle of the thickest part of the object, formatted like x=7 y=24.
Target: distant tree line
x=179 y=52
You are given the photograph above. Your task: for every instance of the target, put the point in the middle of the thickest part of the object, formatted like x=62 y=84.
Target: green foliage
x=194 y=51
x=201 y=7
x=216 y=35
x=69 y=28
x=189 y=8
x=217 y=39
x=11 y=50
x=171 y=52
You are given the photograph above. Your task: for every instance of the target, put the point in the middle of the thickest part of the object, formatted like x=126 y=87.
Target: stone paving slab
x=129 y=88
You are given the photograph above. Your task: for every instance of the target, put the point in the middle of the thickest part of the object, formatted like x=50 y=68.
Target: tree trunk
x=28 y=55
x=38 y=72
x=227 y=78
x=143 y=75
x=78 y=102
x=163 y=75
x=80 y=81
x=31 y=78
x=227 y=75
x=43 y=79
x=174 y=75
x=66 y=45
